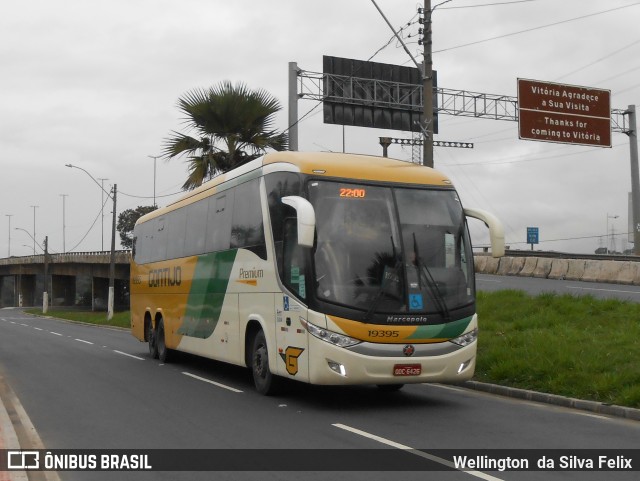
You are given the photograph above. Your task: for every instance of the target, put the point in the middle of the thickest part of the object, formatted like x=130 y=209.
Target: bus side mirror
x=496 y=231
x=306 y=219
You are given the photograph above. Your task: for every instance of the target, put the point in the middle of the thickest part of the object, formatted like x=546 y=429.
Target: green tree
x=232 y=125
x=127 y=220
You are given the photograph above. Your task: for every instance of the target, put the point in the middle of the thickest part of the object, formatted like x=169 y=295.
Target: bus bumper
x=444 y=363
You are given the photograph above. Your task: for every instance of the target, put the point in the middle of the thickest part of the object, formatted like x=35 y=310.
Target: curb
x=8 y=435
x=556 y=400
x=18 y=433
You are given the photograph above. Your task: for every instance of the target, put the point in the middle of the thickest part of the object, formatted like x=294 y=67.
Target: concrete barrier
x=559 y=269
x=530 y=264
x=612 y=271
x=543 y=267
x=576 y=269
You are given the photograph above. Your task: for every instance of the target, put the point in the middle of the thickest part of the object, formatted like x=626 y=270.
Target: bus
x=325 y=268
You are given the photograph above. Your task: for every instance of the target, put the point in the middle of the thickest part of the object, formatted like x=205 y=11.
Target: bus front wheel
x=264 y=380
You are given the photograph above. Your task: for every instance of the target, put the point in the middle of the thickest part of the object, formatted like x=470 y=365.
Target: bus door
x=291 y=336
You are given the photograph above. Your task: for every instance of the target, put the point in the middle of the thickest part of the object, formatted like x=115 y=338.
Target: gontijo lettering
x=165 y=277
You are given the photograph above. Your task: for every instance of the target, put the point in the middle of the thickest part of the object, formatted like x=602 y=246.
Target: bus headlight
x=331 y=337
x=466 y=338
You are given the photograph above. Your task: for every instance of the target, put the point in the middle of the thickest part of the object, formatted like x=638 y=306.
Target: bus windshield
x=397 y=251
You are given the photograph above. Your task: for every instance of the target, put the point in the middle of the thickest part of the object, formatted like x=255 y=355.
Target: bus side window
x=219 y=222
x=158 y=250
x=280 y=184
x=247 y=230
x=293 y=269
x=196 y=228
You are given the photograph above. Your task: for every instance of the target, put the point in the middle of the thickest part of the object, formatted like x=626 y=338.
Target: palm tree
x=233 y=125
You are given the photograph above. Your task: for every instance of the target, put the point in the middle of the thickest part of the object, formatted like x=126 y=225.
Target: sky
x=95 y=83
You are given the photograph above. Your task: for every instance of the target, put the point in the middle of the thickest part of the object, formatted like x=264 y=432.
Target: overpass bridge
x=73 y=279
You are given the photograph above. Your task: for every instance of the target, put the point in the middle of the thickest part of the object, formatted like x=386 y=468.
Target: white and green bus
x=324 y=268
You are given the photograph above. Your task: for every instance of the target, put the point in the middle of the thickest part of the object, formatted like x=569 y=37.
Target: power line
x=619 y=75
x=411 y=21
x=488 y=4
x=535 y=28
x=598 y=60
x=148 y=196
x=91 y=227
x=619 y=234
x=499 y=162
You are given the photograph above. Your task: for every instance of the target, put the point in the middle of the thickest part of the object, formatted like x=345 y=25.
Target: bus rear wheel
x=263 y=379
x=151 y=338
x=164 y=353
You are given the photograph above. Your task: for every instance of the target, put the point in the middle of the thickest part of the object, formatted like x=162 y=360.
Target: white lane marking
x=211 y=382
x=603 y=290
x=25 y=325
x=129 y=355
x=481 y=279
x=38 y=329
x=417 y=452
x=56 y=333
x=86 y=342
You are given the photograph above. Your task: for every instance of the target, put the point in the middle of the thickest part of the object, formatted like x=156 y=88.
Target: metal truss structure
x=463 y=103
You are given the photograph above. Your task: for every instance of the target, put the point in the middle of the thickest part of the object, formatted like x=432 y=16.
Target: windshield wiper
x=423 y=271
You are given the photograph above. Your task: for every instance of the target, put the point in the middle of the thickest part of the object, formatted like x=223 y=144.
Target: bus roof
x=360 y=167
x=323 y=164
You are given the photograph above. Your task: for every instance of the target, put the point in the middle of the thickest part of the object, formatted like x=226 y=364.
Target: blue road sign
x=533 y=235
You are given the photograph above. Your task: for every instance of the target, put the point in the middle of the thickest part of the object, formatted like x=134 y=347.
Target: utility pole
x=112 y=264
x=635 y=177
x=427 y=93
x=45 y=293
x=64 y=225
x=293 y=106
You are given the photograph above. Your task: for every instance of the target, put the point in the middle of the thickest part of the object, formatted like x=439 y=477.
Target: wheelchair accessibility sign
x=415 y=302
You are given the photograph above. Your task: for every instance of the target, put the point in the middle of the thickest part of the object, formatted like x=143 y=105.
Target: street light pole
x=608 y=240
x=9 y=249
x=102 y=212
x=34 y=228
x=112 y=263
x=29 y=234
x=155 y=158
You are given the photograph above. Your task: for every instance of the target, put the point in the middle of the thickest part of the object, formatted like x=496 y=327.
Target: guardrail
x=122 y=256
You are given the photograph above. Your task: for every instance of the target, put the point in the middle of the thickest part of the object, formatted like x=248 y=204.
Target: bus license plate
x=407 y=369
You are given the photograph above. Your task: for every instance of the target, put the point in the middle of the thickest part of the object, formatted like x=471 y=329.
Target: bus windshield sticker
x=415 y=302
x=301 y=287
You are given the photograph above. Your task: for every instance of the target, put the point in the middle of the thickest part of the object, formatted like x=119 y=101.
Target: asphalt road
x=88 y=387
x=534 y=286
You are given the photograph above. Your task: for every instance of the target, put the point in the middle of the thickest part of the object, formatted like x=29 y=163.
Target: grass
x=120 y=319
x=573 y=346
x=579 y=347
